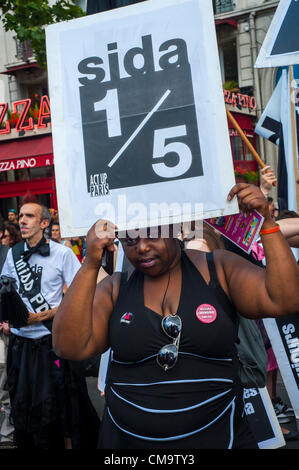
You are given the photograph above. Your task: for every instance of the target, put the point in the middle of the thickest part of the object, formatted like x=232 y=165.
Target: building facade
x=241 y=26
x=26 y=152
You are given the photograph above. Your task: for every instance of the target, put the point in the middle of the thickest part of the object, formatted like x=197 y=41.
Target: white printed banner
x=140 y=133
x=284 y=337
x=262 y=418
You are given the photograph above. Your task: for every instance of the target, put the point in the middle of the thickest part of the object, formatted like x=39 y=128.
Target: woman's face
x=152 y=256
x=6 y=238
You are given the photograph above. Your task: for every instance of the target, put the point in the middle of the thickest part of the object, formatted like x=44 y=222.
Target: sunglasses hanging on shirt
x=168 y=354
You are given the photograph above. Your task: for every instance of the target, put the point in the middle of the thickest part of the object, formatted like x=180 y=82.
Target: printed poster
x=284 y=337
x=241 y=229
x=262 y=418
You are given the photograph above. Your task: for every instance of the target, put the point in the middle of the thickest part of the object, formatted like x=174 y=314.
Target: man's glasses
x=168 y=354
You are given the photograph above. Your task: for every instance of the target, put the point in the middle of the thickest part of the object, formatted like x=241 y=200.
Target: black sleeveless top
x=197 y=402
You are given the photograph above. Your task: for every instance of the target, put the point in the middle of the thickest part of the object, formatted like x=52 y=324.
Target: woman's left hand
x=250 y=198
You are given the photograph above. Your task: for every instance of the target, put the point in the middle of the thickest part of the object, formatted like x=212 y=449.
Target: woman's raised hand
x=250 y=198
x=101 y=236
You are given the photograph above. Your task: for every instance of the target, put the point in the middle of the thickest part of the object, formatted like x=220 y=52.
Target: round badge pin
x=206 y=313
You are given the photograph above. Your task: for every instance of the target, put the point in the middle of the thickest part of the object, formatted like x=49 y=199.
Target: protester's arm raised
x=258 y=292
x=80 y=326
x=290 y=230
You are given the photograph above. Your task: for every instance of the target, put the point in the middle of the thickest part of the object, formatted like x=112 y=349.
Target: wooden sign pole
x=246 y=140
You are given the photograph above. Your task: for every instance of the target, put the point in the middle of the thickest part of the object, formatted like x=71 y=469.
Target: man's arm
x=34 y=318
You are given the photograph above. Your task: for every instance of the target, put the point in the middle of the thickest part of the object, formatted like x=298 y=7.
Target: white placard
x=284 y=337
x=140 y=133
x=281 y=43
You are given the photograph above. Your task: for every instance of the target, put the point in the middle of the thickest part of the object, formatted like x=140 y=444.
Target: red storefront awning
x=16 y=68
x=245 y=122
x=26 y=153
x=233 y=23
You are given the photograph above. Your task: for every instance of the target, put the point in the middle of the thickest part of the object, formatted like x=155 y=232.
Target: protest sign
x=241 y=229
x=139 y=127
x=284 y=337
x=281 y=43
x=262 y=418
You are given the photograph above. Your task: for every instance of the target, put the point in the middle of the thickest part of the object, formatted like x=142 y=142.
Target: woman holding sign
x=173 y=379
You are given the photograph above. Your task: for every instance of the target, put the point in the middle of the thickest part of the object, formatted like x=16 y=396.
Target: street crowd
x=173 y=378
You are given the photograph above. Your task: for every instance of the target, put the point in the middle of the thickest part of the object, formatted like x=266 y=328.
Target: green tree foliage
x=28 y=19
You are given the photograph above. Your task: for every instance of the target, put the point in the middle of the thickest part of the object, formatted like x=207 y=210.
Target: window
x=41 y=172
x=237 y=148
x=228 y=61
x=248 y=154
x=221 y=6
x=240 y=150
x=23 y=50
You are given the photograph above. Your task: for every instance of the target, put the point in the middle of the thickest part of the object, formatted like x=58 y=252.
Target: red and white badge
x=206 y=313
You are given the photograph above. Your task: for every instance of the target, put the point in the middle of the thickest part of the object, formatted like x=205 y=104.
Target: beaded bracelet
x=269 y=230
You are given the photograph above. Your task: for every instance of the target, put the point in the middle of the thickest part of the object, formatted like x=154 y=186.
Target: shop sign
x=23 y=117
x=26 y=119
x=235 y=133
x=22 y=163
x=239 y=100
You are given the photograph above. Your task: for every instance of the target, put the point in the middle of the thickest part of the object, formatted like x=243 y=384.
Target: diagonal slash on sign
x=141 y=125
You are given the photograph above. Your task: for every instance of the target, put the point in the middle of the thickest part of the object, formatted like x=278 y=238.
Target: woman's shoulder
x=223 y=260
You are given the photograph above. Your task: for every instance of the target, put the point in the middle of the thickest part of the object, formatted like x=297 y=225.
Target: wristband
x=270 y=230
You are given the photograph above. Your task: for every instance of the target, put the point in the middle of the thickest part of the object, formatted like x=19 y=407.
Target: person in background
x=56 y=235
x=268 y=179
x=78 y=247
x=55 y=232
x=54 y=219
x=50 y=405
x=6 y=428
x=11 y=234
x=13 y=217
x=3 y=248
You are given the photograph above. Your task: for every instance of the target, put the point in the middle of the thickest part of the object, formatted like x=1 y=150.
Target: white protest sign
x=281 y=43
x=262 y=418
x=284 y=337
x=139 y=126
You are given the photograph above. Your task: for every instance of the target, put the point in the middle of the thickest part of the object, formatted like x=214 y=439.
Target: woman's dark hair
x=14 y=233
